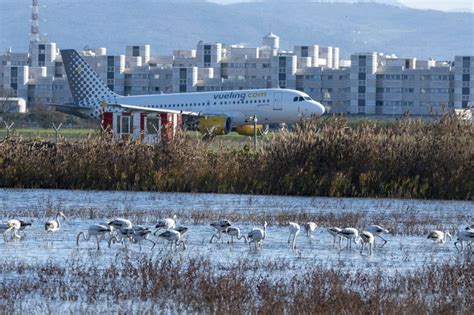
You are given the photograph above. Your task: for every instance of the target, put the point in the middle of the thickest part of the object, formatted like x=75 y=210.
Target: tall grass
x=325 y=157
x=196 y=285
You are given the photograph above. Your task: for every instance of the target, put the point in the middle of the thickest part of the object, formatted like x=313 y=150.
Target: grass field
x=232 y=139
x=49 y=133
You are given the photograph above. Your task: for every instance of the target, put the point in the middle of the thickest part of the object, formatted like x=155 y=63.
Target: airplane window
x=259 y=101
x=246 y=102
x=301 y=99
x=215 y=103
x=295 y=99
x=308 y=98
x=234 y=102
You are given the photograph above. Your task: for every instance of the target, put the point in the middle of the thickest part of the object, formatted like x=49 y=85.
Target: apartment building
x=366 y=84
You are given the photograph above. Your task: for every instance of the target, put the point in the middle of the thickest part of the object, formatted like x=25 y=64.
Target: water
x=401 y=253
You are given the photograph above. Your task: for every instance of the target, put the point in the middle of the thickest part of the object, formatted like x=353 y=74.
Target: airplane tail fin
x=87 y=88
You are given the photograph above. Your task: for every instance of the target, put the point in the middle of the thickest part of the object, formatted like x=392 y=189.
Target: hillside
x=169 y=25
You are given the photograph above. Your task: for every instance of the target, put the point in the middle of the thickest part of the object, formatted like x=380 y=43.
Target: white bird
x=294 y=231
x=173 y=236
x=120 y=223
x=221 y=226
x=9 y=227
x=309 y=228
x=181 y=229
x=439 y=236
x=334 y=231
x=53 y=226
x=235 y=232
x=167 y=224
x=14 y=223
x=99 y=231
x=14 y=226
x=350 y=234
x=121 y=235
x=141 y=233
x=23 y=226
x=376 y=230
x=465 y=235
x=367 y=238
x=257 y=235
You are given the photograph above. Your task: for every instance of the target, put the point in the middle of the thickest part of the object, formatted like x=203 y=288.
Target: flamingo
x=96 y=230
x=464 y=235
x=23 y=226
x=376 y=230
x=141 y=233
x=294 y=231
x=350 y=234
x=309 y=228
x=121 y=235
x=221 y=226
x=7 y=227
x=235 y=232
x=367 y=238
x=334 y=231
x=181 y=230
x=167 y=224
x=257 y=235
x=120 y=223
x=14 y=226
x=439 y=236
x=173 y=236
x=53 y=226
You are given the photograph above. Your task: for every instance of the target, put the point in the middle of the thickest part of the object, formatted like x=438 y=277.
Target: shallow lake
x=401 y=253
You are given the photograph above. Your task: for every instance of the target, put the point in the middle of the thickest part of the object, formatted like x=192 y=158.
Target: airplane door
x=277 y=96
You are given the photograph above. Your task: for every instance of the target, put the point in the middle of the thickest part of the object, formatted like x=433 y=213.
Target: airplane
x=221 y=111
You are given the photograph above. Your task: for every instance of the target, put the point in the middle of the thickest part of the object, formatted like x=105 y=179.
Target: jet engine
x=248 y=130
x=215 y=125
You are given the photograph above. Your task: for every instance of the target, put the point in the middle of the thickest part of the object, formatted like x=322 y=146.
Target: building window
x=466 y=62
x=304 y=51
x=136 y=51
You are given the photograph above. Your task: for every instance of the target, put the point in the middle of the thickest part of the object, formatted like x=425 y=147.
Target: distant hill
x=168 y=25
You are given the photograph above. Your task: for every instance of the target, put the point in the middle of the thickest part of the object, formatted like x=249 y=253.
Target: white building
x=367 y=84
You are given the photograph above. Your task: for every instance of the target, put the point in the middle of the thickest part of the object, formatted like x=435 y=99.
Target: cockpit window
x=295 y=99
x=301 y=99
x=308 y=98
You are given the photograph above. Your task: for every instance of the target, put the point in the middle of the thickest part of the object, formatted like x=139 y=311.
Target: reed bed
x=324 y=157
x=197 y=285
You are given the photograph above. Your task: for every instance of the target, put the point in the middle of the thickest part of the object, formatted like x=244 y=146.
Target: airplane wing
x=155 y=110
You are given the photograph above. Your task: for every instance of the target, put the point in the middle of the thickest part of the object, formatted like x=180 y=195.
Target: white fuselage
x=270 y=106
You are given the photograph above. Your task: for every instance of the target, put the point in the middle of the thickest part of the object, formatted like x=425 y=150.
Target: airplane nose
x=319 y=108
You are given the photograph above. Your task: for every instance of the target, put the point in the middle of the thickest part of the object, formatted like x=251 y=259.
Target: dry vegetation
x=325 y=157
x=196 y=285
